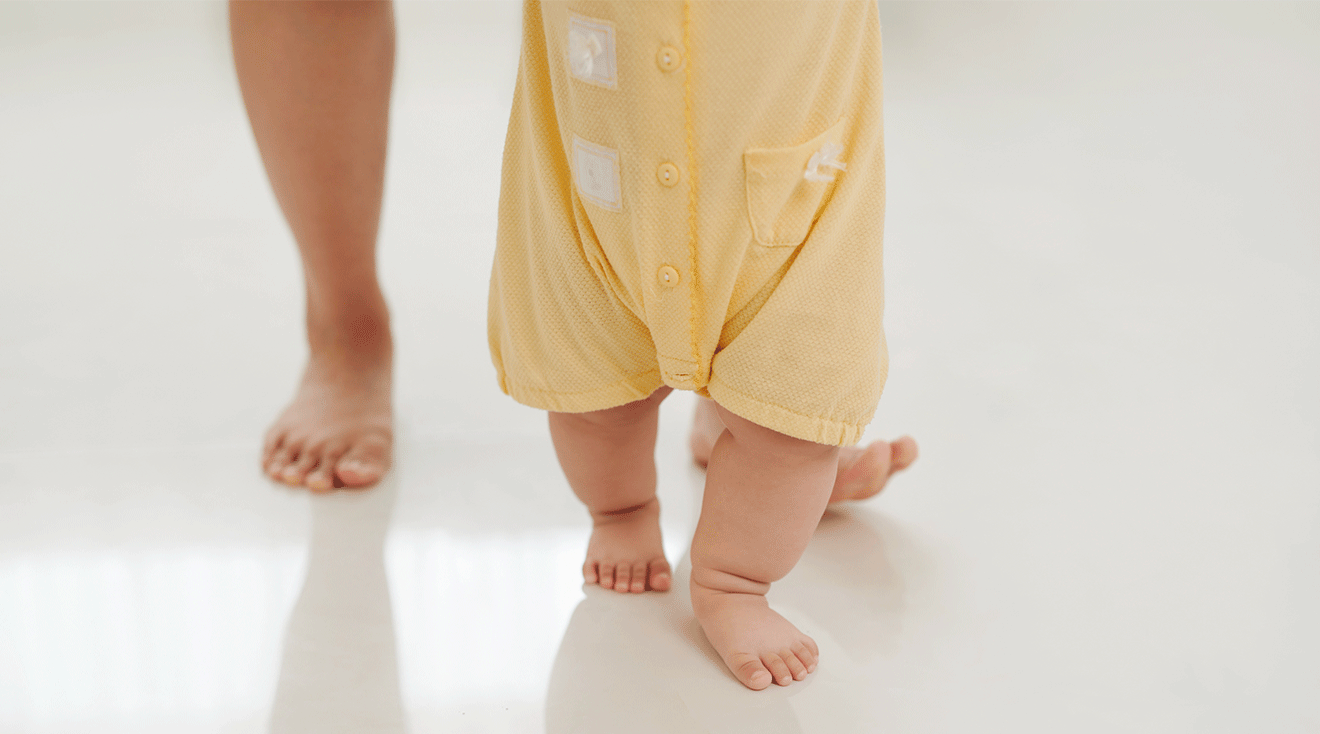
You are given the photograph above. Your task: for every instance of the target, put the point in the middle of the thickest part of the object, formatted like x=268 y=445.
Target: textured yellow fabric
x=726 y=261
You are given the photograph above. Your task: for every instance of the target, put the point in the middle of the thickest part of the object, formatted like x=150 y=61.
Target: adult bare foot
x=316 y=81
x=758 y=645
x=625 y=552
x=863 y=471
x=338 y=431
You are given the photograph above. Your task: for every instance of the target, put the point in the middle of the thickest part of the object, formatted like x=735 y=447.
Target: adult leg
x=608 y=457
x=316 y=80
x=765 y=494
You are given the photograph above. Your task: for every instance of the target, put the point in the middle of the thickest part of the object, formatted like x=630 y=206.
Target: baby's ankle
x=707 y=582
x=623 y=513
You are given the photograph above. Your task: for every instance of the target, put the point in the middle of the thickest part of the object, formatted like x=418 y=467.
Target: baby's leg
x=608 y=457
x=863 y=470
x=765 y=494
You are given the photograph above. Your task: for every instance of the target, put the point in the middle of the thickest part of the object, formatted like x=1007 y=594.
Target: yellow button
x=668 y=276
x=667 y=58
x=667 y=173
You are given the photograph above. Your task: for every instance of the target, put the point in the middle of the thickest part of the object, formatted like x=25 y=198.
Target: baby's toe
x=660 y=578
x=589 y=572
x=810 y=644
x=902 y=452
x=808 y=658
x=638 y=584
x=750 y=671
x=796 y=666
x=778 y=668
x=622 y=577
x=606 y=576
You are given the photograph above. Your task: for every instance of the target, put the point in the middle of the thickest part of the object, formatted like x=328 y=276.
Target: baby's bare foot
x=625 y=552
x=863 y=471
x=756 y=643
x=338 y=430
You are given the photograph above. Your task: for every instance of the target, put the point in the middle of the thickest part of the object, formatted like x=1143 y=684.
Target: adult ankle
x=352 y=327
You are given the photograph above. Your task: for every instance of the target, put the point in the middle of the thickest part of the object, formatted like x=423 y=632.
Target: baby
x=693 y=198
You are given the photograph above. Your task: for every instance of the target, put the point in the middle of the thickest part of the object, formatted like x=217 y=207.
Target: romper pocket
x=782 y=200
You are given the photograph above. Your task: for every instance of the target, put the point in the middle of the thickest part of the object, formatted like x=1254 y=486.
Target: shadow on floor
x=646 y=655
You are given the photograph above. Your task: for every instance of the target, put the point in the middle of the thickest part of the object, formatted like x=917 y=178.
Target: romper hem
x=787 y=422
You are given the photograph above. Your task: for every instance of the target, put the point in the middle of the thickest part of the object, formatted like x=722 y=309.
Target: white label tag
x=591 y=51
x=596 y=169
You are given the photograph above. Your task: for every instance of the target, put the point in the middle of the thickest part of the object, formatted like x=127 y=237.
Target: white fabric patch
x=828 y=155
x=591 y=51
x=596 y=169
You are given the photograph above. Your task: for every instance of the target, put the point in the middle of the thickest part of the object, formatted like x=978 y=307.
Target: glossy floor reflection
x=1103 y=284
x=847 y=594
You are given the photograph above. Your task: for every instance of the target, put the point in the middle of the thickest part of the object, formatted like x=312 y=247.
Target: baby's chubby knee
x=774 y=445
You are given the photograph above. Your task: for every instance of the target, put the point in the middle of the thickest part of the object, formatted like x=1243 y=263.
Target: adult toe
x=365 y=462
x=322 y=477
x=270 y=444
x=295 y=472
x=285 y=455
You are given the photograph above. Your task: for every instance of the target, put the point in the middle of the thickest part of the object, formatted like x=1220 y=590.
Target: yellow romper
x=693 y=195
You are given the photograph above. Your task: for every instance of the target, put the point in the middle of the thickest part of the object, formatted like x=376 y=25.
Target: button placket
x=668 y=175
x=669 y=255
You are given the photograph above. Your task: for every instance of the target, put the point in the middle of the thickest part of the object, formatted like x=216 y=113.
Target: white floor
x=1104 y=314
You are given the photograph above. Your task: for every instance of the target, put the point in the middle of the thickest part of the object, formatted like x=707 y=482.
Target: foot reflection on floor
x=339 y=669
x=646 y=655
